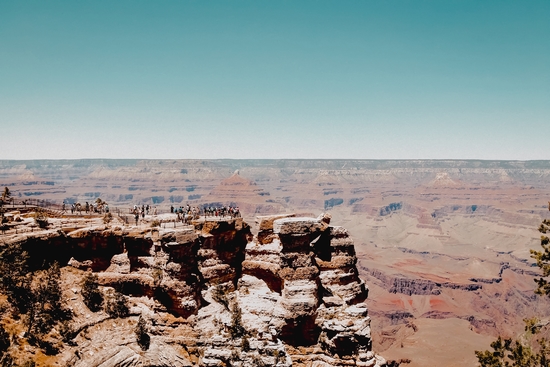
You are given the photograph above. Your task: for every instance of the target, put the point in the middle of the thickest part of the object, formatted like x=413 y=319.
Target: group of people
x=187 y=213
x=193 y=212
x=223 y=211
x=88 y=208
x=138 y=211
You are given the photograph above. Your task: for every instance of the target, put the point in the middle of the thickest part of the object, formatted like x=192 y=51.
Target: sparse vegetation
x=143 y=339
x=6 y=195
x=516 y=353
x=67 y=331
x=219 y=294
x=3 y=223
x=91 y=294
x=543 y=259
x=46 y=308
x=513 y=354
x=116 y=305
x=15 y=280
x=36 y=297
x=532 y=325
x=155 y=223
x=41 y=218
x=245 y=343
x=236 y=328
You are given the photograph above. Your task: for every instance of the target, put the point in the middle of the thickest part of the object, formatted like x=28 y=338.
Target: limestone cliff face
x=213 y=294
x=300 y=284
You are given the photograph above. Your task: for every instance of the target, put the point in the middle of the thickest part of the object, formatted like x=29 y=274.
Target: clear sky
x=389 y=79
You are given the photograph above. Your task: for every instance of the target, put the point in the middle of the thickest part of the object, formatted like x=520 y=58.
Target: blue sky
x=275 y=79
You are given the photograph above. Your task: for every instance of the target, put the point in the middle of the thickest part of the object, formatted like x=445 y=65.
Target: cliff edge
x=210 y=294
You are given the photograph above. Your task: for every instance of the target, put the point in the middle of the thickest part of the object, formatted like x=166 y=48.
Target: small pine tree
x=46 y=308
x=245 y=344
x=15 y=278
x=66 y=331
x=543 y=260
x=6 y=195
x=91 y=294
x=116 y=305
x=236 y=328
x=143 y=339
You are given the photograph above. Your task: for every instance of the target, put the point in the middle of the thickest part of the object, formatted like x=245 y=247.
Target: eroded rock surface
x=300 y=285
x=213 y=294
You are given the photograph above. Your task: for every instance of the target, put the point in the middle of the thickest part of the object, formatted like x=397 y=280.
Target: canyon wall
x=213 y=294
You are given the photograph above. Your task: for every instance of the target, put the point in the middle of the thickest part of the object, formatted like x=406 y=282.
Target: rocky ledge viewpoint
x=210 y=294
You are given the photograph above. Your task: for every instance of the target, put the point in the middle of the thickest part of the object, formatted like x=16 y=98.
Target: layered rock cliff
x=213 y=294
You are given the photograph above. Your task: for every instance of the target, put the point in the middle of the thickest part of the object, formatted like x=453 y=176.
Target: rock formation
x=300 y=284
x=213 y=294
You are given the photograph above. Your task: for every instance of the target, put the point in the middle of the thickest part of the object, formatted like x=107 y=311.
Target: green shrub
x=66 y=331
x=15 y=278
x=143 y=339
x=236 y=329
x=46 y=308
x=245 y=344
x=116 y=305
x=91 y=294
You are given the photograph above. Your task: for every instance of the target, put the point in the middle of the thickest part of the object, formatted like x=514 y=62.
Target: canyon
x=443 y=245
